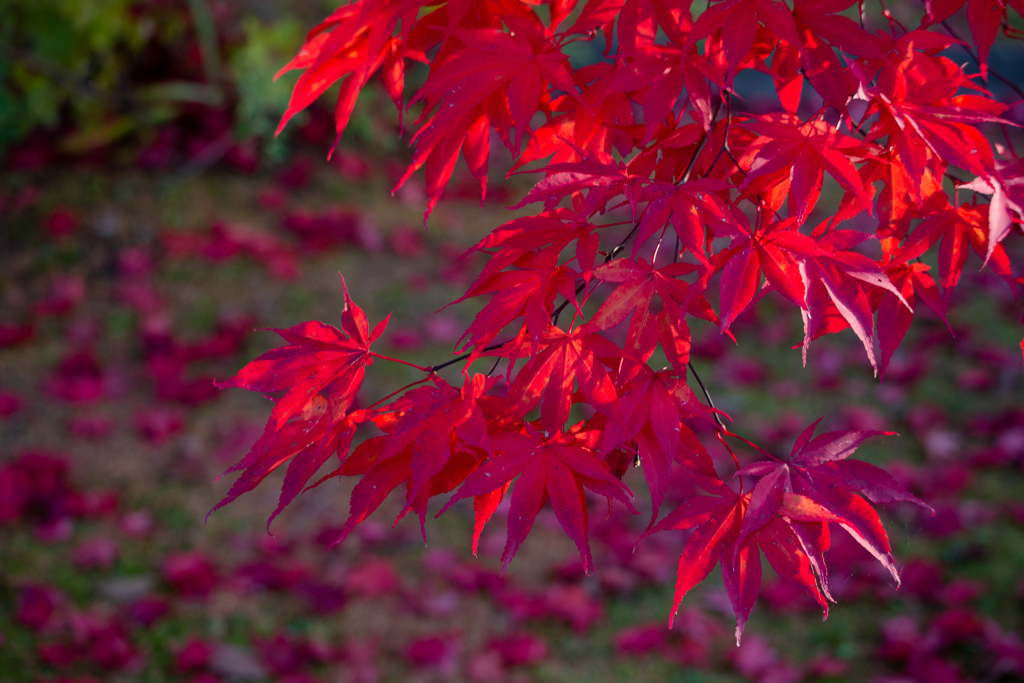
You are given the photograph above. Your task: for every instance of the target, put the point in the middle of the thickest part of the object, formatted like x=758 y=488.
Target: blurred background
x=151 y=223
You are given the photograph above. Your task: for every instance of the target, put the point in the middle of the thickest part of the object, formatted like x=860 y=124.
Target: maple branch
x=607 y=259
x=965 y=46
x=721 y=425
x=520 y=71
x=622 y=245
x=494 y=367
x=657 y=247
x=458 y=359
x=736 y=163
x=722 y=429
x=554 y=316
x=561 y=307
x=685 y=176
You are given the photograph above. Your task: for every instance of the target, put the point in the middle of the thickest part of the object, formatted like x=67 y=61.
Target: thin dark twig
x=966 y=47
x=725 y=135
x=685 y=176
x=893 y=21
x=457 y=359
x=711 y=402
x=607 y=259
x=724 y=431
x=734 y=161
x=636 y=225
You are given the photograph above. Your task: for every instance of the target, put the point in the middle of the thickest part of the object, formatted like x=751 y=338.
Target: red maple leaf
x=797 y=154
x=654 y=406
x=1006 y=205
x=529 y=291
x=774 y=250
x=739 y=21
x=596 y=172
x=638 y=282
x=318 y=355
x=923 y=116
x=819 y=470
x=555 y=467
x=434 y=422
x=984 y=18
x=793 y=542
x=306 y=443
x=835 y=275
x=716 y=521
x=304 y=427
x=894 y=318
x=785 y=516
x=954 y=228
x=598 y=122
x=558 y=359
x=385 y=469
x=546 y=231
x=350 y=46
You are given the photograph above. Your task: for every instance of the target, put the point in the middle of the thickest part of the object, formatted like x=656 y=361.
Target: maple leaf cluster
x=661 y=199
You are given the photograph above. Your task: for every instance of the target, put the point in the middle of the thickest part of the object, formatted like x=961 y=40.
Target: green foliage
x=102 y=71
x=252 y=66
x=63 y=56
x=96 y=73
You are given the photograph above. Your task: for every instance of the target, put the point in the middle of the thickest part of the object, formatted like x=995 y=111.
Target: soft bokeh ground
x=134 y=294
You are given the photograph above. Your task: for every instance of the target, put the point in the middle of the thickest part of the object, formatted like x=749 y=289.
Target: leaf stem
x=753 y=445
x=736 y=461
x=396 y=393
x=721 y=425
x=399 y=360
